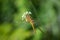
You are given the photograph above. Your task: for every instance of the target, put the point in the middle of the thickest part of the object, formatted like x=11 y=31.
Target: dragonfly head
x=24 y=14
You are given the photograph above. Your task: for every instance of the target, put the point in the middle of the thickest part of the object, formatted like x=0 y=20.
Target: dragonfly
x=29 y=19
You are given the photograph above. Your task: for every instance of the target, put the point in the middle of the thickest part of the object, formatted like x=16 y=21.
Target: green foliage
x=45 y=13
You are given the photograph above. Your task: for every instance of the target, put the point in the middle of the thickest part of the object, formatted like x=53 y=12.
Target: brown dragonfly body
x=29 y=19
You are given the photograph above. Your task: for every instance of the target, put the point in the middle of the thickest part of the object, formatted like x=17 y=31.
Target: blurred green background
x=45 y=13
